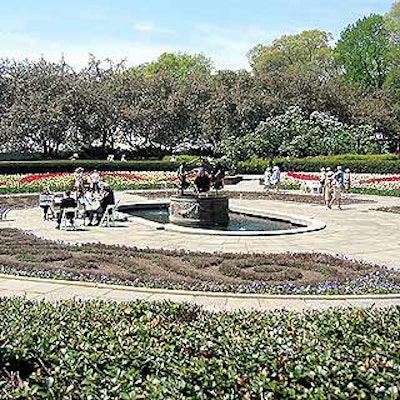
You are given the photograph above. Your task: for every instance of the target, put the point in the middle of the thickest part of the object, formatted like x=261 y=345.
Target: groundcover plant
x=141 y=350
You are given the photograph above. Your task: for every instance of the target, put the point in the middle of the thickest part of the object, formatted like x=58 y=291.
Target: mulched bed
x=394 y=209
x=25 y=254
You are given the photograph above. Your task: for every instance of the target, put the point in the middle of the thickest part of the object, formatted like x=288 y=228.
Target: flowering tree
x=295 y=134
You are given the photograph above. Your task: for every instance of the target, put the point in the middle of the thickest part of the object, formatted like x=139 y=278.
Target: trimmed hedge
x=379 y=164
x=138 y=350
x=27 y=167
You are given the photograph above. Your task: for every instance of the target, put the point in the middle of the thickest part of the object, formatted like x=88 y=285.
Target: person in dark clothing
x=182 y=173
x=66 y=202
x=107 y=200
x=218 y=176
x=202 y=181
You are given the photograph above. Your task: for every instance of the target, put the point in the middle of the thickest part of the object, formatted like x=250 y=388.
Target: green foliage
x=295 y=134
x=177 y=65
x=363 y=51
x=84 y=350
x=378 y=164
x=306 y=51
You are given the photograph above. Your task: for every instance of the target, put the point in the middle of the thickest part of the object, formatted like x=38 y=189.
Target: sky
x=140 y=30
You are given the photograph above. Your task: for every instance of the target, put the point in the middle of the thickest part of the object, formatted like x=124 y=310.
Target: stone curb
x=254 y=296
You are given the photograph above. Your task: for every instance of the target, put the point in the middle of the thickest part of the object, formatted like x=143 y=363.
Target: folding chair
x=109 y=216
x=68 y=218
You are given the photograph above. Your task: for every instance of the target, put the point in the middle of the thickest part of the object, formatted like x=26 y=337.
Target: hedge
x=26 y=167
x=141 y=350
x=379 y=164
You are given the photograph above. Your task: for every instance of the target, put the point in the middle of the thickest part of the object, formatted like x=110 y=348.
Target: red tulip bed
x=58 y=181
x=360 y=183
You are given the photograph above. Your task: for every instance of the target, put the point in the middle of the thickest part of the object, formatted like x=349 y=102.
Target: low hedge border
x=141 y=350
x=373 y=164
x=379 y=164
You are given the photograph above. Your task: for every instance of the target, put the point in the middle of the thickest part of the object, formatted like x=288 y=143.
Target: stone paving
x=356 y=231
x=58 y=290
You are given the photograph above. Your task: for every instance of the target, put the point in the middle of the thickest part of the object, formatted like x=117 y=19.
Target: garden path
x=358 y=231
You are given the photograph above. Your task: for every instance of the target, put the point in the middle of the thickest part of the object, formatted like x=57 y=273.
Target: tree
x=306 y=51
x=363 y=52
x=177 y=65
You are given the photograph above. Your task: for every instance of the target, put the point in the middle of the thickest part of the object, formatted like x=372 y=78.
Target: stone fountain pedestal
x=198 y=211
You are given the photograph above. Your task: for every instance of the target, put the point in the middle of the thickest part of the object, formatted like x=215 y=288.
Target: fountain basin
x=156 y=215
x=199 y=211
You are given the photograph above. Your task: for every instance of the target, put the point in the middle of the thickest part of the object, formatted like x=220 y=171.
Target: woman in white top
x=267 y=179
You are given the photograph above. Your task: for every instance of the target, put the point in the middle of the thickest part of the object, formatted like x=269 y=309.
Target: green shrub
x=379 y=164
x=94 y=350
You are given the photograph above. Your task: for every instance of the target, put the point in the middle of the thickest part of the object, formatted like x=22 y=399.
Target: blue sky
x=140 y=30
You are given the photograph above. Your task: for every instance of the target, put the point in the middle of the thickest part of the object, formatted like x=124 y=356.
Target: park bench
x=3 y=212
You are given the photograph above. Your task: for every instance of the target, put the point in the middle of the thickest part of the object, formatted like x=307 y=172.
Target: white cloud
x=151 y=27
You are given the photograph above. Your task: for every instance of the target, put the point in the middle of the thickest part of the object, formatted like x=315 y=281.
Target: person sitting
x=218 y=175
x=107 y=199
x=202 y=181
x=46 y=202
x=66 y=202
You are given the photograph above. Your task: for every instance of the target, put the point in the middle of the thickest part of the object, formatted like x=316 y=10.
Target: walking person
x=322 y=179
x=339 y=176
x=336 y=194
x=347 y=180
x=276 y=178
x=267 y=179
x=328 y=189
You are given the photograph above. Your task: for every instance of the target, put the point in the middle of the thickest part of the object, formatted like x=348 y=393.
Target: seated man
x=106 y=200
x=218 y=176
x=66 y=202
x=202 y=181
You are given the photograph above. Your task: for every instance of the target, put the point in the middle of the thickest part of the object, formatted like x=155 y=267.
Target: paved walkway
x=56 y=290
x=358 y=231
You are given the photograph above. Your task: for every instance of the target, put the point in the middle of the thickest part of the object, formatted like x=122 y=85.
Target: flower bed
x=60 y=181
x=283 y=273
x=141 y=350
x=360 y=183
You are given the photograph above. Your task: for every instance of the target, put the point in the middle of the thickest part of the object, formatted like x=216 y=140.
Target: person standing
x=328 y=189
x=322 y=179
x=95 y=180
x=181 y=173
x=347 y=180
x=276 y=178
x=339 y=176
x=46 y=201
x=336 y=194
x=267 y=179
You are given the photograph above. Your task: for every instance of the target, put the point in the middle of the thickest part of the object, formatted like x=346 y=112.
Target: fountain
x=199 y=211
x=210 y=213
